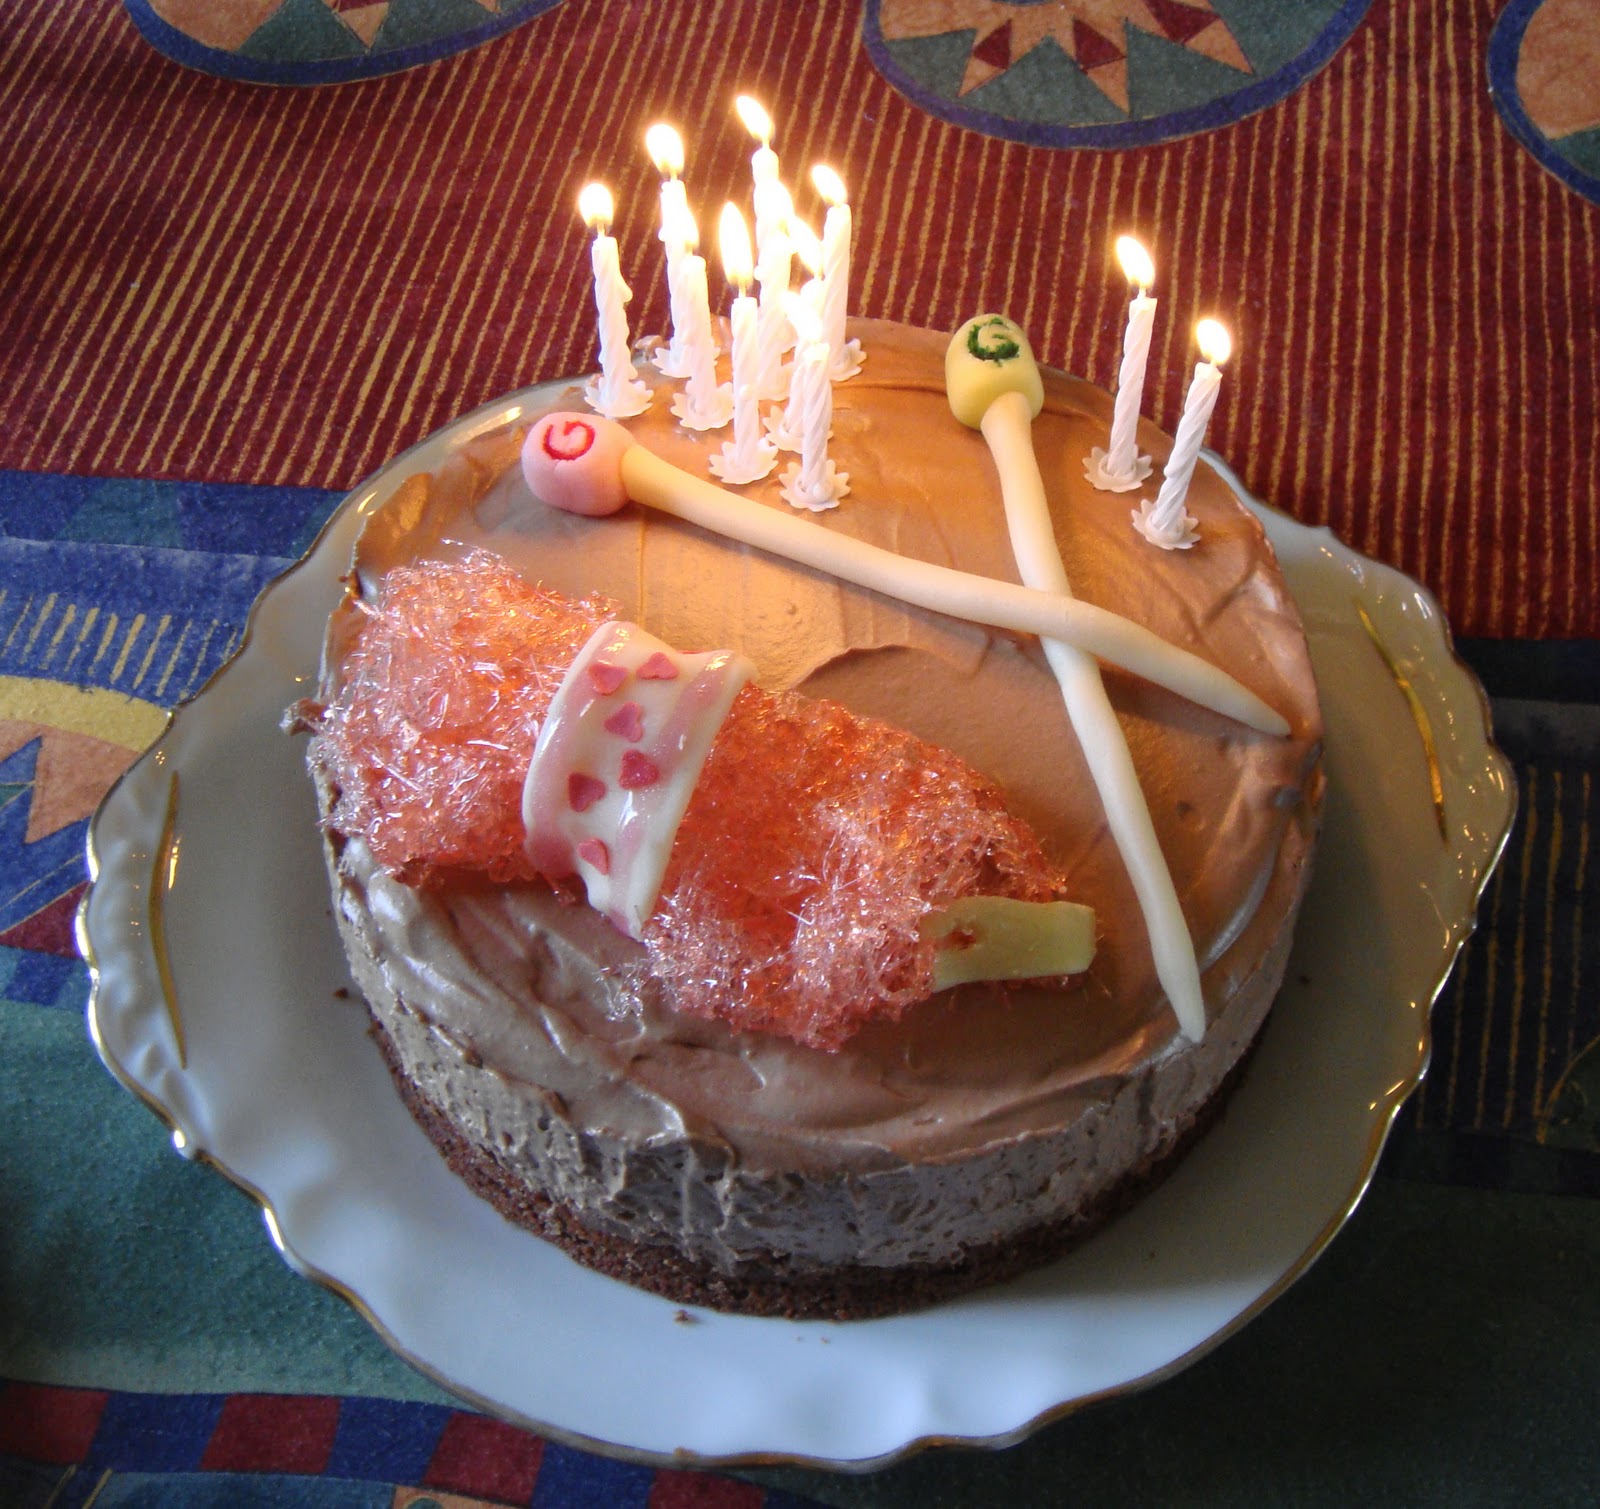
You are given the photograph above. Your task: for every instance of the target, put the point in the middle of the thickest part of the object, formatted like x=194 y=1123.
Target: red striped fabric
x=211 y=280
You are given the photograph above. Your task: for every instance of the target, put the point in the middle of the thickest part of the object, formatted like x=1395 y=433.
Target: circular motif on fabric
x=1544 y=57
x=1102 y=73
x=321 y=41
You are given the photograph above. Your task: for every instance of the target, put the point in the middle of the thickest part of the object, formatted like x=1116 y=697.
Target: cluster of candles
x=1119 y=467
x=811 y=321
x=764 y=325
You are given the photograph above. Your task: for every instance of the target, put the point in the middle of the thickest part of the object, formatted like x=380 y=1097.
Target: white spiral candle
x=1120 y=467
x=1120 y=454
x=774 y=265
x=617 y=392
x=1164 y=522
x=814 y=483
x=817 y=415
x=702 y=405
x=763 y=173
x=749 y=456
x=665 y=147
x=844 y=355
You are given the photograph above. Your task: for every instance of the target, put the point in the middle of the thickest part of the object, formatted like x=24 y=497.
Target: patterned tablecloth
x=221 y=304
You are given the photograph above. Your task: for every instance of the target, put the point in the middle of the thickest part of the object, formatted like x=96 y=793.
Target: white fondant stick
x=1005 y=393
x=607 y=467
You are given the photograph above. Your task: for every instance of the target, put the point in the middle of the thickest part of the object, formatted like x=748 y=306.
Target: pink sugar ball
x=574 y=462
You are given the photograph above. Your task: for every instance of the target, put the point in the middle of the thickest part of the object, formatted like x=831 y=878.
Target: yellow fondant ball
x=988 y=356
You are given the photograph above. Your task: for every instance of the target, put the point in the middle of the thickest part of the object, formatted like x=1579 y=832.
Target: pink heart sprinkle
x=605 y=677
x=627 y=722
x=595 y=853
x=659 y=667
x=583 y=791
x=638 y=771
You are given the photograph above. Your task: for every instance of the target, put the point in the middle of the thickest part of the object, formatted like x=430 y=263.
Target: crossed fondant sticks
x=588 y=465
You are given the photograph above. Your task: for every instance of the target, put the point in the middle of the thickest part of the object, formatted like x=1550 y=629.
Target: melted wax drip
x=814 y=843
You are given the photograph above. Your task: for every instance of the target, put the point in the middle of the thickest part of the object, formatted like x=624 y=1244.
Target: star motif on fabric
x=1091 y=32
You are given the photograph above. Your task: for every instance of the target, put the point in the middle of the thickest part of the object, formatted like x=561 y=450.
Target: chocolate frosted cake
x=773 y=1056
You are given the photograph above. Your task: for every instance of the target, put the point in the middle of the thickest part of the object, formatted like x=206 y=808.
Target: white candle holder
x=1097 y=470
x=822 y=492
x=748 y=457
x=1180 y=531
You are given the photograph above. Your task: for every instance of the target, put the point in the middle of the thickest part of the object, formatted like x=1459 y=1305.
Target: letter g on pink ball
x=574 y=462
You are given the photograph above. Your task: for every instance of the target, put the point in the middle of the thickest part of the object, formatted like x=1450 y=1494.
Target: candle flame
x=807 y=244
x=756 y=120
x=595 y=205
x=1216 y=345
x=829 y=184
x=738 y=261
x=665 y=147
x=1136 y=264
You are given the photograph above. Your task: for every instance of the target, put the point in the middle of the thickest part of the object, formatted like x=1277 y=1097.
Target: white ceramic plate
x=277 y=1084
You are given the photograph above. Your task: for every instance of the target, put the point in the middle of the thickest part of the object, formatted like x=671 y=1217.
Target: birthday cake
x=778 y=942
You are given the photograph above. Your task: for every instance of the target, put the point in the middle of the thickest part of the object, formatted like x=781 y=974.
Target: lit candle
x=749 y=456
x=617 y=391
x=812 y=482
x=786 y=426
x=702 y=405
x=836 y=231
x=807 y=246
x=665 y=147
x=763 y=171
x=1164 y=523
x=773 y=336
x=1120 y=467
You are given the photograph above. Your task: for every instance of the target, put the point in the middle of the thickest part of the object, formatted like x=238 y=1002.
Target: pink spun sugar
x=814 y=843
x=440 y=704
